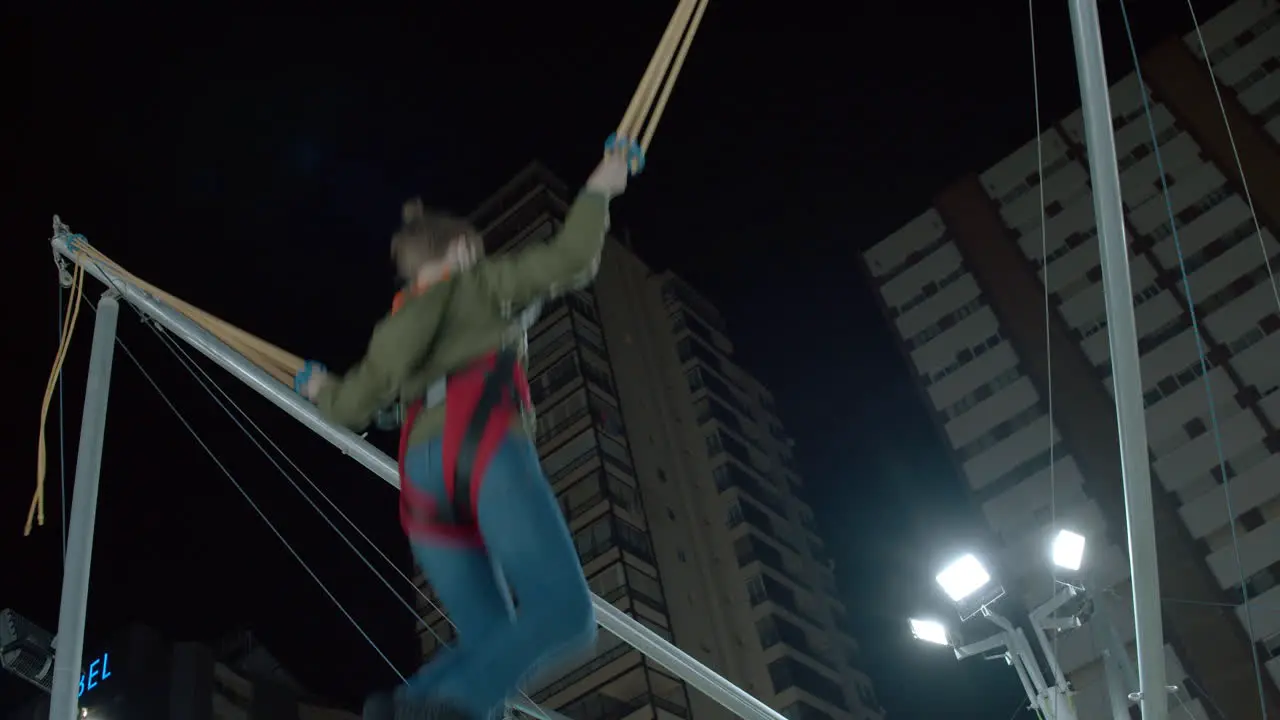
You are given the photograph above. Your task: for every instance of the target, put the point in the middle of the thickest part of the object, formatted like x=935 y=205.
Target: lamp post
x=968 y=584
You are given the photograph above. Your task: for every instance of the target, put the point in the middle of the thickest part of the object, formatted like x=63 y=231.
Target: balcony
x=626 y=693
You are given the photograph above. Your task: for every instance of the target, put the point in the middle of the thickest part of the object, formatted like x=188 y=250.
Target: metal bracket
x=1137 y=696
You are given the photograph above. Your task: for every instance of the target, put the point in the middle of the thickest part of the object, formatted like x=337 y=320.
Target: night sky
x=255 y=166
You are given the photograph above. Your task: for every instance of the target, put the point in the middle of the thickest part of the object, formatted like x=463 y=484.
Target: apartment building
x=677 y=480
x=964 y=286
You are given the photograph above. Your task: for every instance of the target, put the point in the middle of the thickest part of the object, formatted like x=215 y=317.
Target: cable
x=1235 y=152
x=1048 y=338
x=249 y=499
x=62 y=443
x=36 y=511
x=1204 y=363
x=226 y=403
x=209 y=385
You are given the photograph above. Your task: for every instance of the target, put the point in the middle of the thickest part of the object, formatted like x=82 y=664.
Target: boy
x=477 y=509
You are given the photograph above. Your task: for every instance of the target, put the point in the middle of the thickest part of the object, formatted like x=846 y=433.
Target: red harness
x=481 y=402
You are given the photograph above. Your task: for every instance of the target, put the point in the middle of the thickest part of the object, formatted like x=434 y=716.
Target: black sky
x=254 y=166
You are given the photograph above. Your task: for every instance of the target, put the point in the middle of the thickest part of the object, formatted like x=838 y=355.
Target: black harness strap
x=499 y=386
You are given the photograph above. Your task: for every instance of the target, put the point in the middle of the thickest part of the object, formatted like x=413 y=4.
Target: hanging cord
x=36 y=511
x=277 y=362
x=62 y=437
x=1048 y=340
x=1204 y=362
x=1235 y=152
x=248 y=498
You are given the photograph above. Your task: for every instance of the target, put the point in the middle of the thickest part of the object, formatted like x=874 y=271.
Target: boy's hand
x=311 y=379
x=311 y=388
x=610 y=176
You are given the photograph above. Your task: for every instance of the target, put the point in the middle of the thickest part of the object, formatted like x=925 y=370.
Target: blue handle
x=635 y=154
x=309 y=368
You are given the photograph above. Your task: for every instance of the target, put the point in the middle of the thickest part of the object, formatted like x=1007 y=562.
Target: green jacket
x=400 y=363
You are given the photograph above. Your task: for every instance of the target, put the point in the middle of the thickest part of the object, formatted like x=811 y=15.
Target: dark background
x=254 y=165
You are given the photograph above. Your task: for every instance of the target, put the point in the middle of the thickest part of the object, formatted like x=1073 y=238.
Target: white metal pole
x=67 y=657
x=1121 y=677
x=1117 y=689
x=1126 y=373
x=627 y=628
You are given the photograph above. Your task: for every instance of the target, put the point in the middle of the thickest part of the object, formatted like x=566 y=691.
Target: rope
x=227 y=404
x=1204 y=362
x=36 y=511
x=640 y=121
x=279 y=363
x=62 y=443
x=261 y=514
x=1048 y=341
x=1235 y=152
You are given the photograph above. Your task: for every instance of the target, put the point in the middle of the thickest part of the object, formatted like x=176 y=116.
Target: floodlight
x=963 y=578
x=930 y=631
x=1068 y=550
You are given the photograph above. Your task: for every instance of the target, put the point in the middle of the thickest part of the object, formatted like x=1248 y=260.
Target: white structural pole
x=627 y=628
x=64 y=694
x=1126 y=371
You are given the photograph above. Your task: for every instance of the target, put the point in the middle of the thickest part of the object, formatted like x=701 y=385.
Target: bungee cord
x=227 y=404
x=634 y=134
x=1195 y=327
x=1235 y=151
x=252 y=504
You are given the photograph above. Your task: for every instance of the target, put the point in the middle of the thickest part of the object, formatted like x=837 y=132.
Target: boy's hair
x=425 y=236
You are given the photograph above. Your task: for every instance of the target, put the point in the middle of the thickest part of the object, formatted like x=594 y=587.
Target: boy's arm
x=568 y=260
x=396 y=350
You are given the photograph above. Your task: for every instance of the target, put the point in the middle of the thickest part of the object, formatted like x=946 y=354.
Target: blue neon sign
x=99 y=670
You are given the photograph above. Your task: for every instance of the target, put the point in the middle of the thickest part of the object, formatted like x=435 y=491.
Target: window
x=582 y=495
x=595 y=539
x=558 y=417
x=634 y=540
x=547 y=341
x=646 y=588
x=570 y=456
x=787 y=672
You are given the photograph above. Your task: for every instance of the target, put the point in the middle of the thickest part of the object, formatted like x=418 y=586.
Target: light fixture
x=1068 y=550
x=930 y=631
x=963 y=578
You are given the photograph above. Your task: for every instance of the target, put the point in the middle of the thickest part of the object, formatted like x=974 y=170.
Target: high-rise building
x=677 y=480
x=965 y=287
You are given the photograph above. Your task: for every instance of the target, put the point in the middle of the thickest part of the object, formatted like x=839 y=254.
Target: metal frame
x=69 y=643
x=628 y=629
x=1129 y=409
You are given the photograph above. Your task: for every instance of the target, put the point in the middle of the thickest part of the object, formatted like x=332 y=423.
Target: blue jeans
x=526 y=544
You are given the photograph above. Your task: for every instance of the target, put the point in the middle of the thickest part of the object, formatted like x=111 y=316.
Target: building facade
x=965 y=287
x=677 y=480
x=141 y=675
